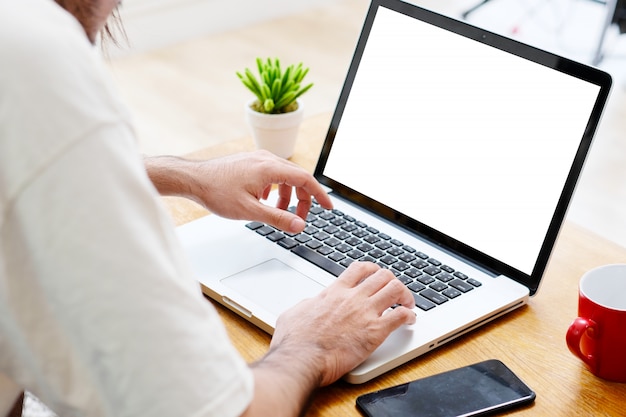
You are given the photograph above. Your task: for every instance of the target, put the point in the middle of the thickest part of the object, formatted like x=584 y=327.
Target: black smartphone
x=475 y=390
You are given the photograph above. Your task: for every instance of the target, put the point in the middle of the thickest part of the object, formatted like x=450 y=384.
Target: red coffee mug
x=598 y=335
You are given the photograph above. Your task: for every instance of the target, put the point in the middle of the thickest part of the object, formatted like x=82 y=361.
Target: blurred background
x=177 y=71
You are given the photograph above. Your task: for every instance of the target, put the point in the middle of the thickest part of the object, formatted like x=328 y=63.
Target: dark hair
x=84 y=10
x=113 y=28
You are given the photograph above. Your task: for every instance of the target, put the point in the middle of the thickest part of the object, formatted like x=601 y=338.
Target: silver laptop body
x=453 y=143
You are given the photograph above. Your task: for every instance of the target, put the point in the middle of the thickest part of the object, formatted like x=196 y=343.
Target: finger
x=266 y=192
x=392 y=319
x=356 y=273
x=282 y=219
x=303 y=207
x=305 y=184
x=284 y=197
x=385 y=290
x=391 y=294
x=315 y=190
x=376 y=281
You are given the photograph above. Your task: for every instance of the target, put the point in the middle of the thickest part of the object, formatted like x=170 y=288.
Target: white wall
x=152 y=24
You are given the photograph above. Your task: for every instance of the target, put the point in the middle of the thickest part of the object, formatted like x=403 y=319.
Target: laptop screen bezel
x=567 y=66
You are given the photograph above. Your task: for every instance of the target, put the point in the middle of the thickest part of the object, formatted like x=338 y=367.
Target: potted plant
x=275 y=113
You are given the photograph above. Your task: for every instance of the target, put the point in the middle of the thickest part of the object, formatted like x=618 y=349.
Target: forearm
x=284 y=382
x=173 y=176
x=233 y=186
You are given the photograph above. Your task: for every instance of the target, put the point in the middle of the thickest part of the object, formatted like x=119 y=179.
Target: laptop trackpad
x=273 y=285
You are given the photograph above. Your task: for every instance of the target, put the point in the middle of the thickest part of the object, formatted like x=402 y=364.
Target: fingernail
x=297 y=225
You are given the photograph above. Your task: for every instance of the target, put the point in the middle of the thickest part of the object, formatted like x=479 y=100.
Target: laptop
x=451 y=158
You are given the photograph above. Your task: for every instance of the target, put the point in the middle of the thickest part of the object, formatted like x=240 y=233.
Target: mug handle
x=575 y=332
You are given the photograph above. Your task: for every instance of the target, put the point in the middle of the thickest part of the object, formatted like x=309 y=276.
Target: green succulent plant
x=276 y=90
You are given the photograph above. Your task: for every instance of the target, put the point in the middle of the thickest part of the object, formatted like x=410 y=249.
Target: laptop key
x=265 y=230
x=338 y=221
x=460 y=275
x=321 y=236
x=432 y=270
x=254 y=225
x=423 y=303
x=342 y=235
x=320 y=224
x=434 y=261
x=275 y=236
x=365 y=247
x=383 y=245
x=388 y=260
x=309 y=230
x=287 y=243
x=330 y=229
x=406 y=257
x=408 y=249
x=314 y=244
x=416 y=286
x=333 y=241
x=395 y=251
x=319 y=260
x=302 y=238
x=337 y=256
x=401 y=266
x=425 y=279
x=355 y=254
x=460 y=285
x=346 y=262
x=419 y=264
x=433 y=296
x=413 y=273
x=325 y=250
x=474 y=282
x=451 y=292
x=372 y=239
x=405 y=279
x=444 y=277
x=446 y=268
x=438 y=286
x=343 y=248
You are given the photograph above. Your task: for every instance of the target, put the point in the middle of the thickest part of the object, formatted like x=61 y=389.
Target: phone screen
x=473 y=390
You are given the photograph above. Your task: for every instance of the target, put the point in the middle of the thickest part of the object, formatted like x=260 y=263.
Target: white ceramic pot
x=276 y=133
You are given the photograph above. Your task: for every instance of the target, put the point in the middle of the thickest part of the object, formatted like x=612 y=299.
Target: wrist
x=173 y=176
x=305 y=363
x=285 y=379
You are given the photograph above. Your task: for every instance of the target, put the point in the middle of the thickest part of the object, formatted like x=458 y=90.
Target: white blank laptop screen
x=468 y=140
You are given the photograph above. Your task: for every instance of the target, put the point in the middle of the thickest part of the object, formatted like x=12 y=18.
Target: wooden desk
x=531 y=340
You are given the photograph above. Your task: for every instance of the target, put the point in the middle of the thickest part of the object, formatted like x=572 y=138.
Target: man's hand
x=347 y=320
x=322 y=338
x=233 y=186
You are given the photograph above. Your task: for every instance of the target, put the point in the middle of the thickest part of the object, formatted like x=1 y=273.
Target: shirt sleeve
x=116 y=322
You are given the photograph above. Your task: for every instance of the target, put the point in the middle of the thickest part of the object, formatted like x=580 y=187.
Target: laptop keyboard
x=333 y=240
